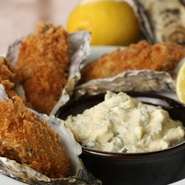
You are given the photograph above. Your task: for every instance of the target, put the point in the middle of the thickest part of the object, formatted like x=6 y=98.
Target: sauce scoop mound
x=123 y=124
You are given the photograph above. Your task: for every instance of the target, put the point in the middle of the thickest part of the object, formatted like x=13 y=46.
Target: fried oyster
x=7 y=77
x=42 y=66
x=28 y=140
x=160 y=57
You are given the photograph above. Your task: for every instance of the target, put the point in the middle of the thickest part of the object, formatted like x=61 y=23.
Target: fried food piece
x=160 y=57
x=42 y=66
x=7 y=77
x=24 y=138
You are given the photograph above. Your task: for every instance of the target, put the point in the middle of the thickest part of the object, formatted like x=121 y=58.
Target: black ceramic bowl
x=155 y=168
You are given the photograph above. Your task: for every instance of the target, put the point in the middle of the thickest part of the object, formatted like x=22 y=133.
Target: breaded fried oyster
x=42 y=66
x=160 y=57
x=7 y=77
x=28 y=140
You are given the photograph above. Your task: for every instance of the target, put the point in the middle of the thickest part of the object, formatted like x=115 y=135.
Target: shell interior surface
x=162 y=20
x=79 y=43
x=80 y=49
x=135 y=80
x=3 y=95
x=24 y=173
x=67 y=139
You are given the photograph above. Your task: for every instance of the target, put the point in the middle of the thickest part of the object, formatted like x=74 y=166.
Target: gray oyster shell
x=162 y=20
x=24 y=173
x=135 y=80
x=79 y=43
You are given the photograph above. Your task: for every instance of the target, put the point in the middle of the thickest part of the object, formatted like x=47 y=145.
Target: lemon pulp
x=180 y=84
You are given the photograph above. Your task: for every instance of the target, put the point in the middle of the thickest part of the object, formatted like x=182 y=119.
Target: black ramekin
x=154 y=168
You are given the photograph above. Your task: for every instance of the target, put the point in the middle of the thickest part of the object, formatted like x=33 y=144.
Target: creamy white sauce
x=123 y=124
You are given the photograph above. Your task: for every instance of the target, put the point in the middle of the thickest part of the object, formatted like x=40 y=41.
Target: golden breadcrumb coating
x=160 y=56
x=7 y=77
x=43 y=65
x=24 y=138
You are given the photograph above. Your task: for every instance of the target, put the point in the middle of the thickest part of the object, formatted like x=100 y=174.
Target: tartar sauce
x=123 y=124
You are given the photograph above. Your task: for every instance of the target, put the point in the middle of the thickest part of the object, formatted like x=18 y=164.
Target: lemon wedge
x=110 y=22
x=180 y=84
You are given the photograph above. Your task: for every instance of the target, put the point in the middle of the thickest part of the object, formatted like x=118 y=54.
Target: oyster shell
x=162 y=20
x=26 y=174
x=79 y=49
x=135 y=80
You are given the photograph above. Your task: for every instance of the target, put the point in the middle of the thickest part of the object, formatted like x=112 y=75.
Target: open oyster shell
x=79 y=50
x=135 y=80
x=26 y=174
x=162 y=20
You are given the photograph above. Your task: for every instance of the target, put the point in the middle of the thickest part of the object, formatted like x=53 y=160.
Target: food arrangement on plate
x=68 y=119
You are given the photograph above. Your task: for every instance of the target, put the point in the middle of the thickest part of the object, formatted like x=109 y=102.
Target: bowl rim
x=143 y=155
x=134 y=156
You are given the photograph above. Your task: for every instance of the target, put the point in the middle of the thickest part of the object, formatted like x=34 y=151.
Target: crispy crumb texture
x=24 y=138
x=160 y=57
x=7 y=77
x=43 y=65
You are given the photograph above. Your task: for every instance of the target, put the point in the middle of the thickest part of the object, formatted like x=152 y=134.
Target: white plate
x=4 y=180
x=98 y=51
x=182 y=182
